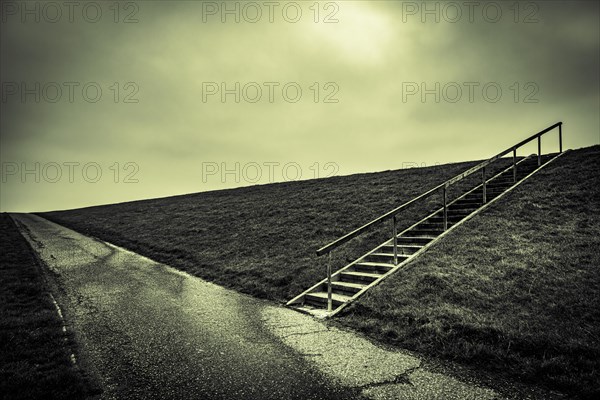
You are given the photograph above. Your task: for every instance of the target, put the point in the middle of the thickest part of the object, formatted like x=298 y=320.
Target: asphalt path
x=145 y=330
x=148 y=331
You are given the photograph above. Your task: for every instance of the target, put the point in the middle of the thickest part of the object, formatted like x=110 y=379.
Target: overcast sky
x=160 y=126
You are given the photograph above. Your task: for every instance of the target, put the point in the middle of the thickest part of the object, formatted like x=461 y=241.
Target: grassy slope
x=34 y=363
x=516 y=290
x=259 y=240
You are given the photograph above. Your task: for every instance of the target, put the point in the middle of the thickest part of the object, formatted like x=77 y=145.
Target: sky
x=106 y=102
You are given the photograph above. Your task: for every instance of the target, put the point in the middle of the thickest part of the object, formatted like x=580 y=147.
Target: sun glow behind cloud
x=362 y=34
x=368 y=54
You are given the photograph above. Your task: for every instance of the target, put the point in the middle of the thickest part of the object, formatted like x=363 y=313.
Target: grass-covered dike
x=514 y=290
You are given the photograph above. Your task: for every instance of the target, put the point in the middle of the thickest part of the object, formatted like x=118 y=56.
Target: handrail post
x=329 y=296
x=484 y=187
x=539 y=150
x=445 y=209
x=395 y=232
x=445 y=185
x=560 y=137
x=515 y=164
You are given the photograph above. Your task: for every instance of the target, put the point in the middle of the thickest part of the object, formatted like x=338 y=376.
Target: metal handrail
x=444 y=186
x=343 y=239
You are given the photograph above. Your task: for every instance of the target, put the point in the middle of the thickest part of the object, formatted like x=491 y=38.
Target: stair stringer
x=335 y=276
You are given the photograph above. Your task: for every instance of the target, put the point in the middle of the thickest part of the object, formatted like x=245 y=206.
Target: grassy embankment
x=260 y=240
x=514 y=290
x=34 y=358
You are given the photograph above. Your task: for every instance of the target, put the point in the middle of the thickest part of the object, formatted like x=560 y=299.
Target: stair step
x=429 y=232
x=373 y=267
x=405 y=249
x=494 y=184
x=474 y=199
x=413 y=238
x=496 y=189
x=468 y=201
x=386 y=257
x=439 y=218
x=505 y=176
x=469 y=207
x=474 y=196
x=452 y=218
x=462 y=212
x=431 y=225
x=358 y=277
x=347 y=287
x=320 y=298
x=505 y=180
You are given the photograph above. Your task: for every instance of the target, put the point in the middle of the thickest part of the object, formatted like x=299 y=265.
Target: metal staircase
x=338 y=289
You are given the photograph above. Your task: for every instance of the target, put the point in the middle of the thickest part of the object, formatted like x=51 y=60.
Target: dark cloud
x=369 y=54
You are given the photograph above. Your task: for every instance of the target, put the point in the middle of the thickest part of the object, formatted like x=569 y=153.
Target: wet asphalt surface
x=146 y=331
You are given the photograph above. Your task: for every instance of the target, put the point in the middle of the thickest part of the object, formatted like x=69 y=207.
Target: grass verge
x=34 y=358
